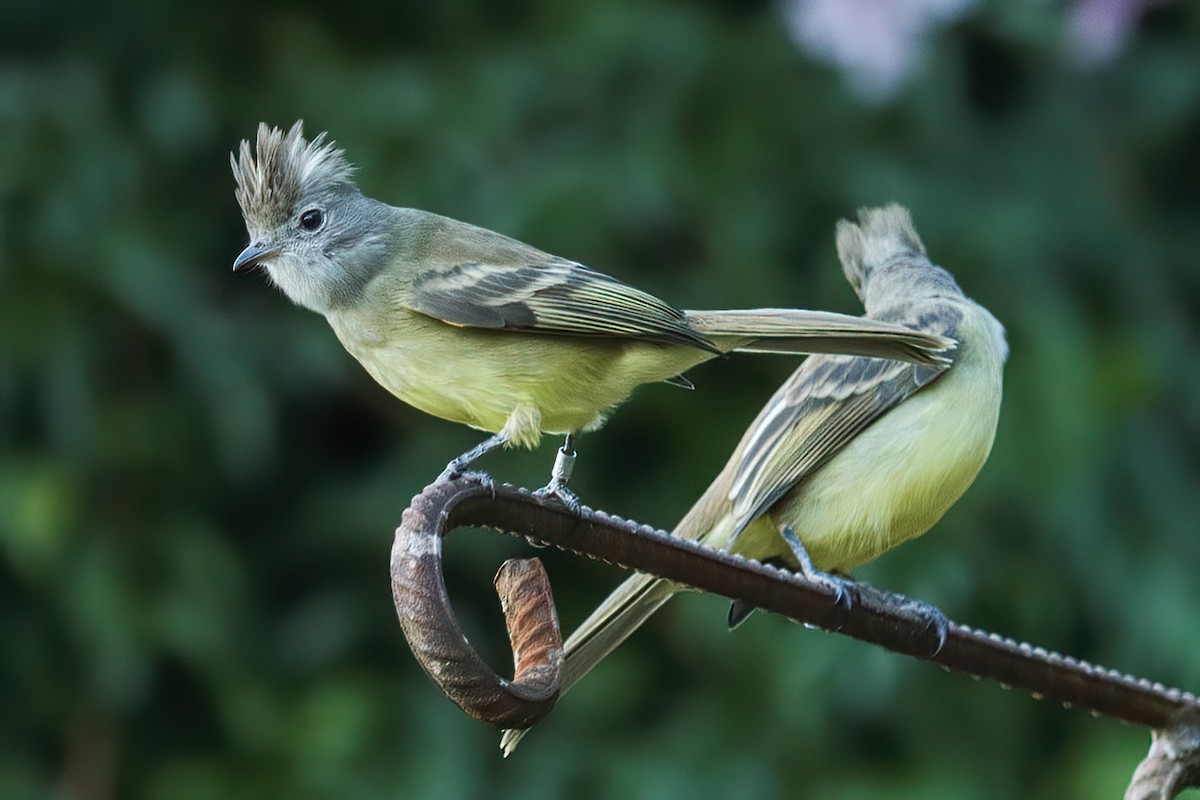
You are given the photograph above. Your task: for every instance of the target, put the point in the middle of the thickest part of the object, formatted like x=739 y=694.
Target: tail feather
x=798 y=331
x=619 y=615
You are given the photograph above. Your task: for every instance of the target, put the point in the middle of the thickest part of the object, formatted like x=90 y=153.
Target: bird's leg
x=456 y=467
x=846 y=589
x=843 y=588
x=564 y=465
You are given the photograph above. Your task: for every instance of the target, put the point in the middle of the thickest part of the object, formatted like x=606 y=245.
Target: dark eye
x=312 y=219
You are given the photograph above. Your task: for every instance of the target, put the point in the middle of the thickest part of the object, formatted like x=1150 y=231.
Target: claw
x=565 y=496
x=932 y=617
x=843 y=589
x=486 y=480
x=912 y=609
x=942 y=623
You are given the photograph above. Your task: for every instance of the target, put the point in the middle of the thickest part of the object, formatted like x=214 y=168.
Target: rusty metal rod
x=440 y=645
x=443 y=651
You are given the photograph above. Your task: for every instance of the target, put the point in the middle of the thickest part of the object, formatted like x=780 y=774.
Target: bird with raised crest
x=475 y=327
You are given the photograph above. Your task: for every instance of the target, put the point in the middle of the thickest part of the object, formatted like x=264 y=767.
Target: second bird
x=851 y=456
x=474 y=327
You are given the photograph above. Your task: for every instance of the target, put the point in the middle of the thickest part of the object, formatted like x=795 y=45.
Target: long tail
x=786 y=330
x=621 y=613
x=710 y=520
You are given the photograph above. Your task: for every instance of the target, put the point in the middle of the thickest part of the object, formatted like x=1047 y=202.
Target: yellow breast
x=898 y=477
x=479 y=377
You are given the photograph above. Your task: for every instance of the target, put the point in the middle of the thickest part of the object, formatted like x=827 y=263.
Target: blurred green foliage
x=198 y=487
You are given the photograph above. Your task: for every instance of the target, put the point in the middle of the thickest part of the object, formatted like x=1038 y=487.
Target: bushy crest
x=878 y=236
x=287 y=166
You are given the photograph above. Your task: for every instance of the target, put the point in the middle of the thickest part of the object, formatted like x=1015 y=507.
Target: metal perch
x=443 y=651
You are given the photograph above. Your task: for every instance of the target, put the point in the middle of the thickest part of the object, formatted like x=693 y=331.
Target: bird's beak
x=253 y=255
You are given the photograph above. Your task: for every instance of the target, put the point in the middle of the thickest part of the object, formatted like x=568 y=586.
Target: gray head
x=885 y=261
x=310 y=228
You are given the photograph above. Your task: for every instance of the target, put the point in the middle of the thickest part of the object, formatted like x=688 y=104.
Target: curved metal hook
x=441 y=646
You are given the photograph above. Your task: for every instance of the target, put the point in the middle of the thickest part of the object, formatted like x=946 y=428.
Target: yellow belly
x=897 y=478
x=481 y=377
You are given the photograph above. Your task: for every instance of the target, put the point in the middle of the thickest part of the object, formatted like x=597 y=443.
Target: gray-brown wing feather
x=827 y=402
x=559 y=297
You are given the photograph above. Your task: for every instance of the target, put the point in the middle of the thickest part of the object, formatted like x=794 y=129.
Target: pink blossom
x=876 y=43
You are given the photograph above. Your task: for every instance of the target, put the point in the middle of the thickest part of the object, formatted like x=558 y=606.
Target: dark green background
x=198 y=487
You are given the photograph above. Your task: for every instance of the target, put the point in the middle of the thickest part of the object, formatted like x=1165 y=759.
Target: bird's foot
x=458 y=466
x=843 y=589
x=564 y=495
x=909 y=608
x=564 y=465
x=454 y=473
